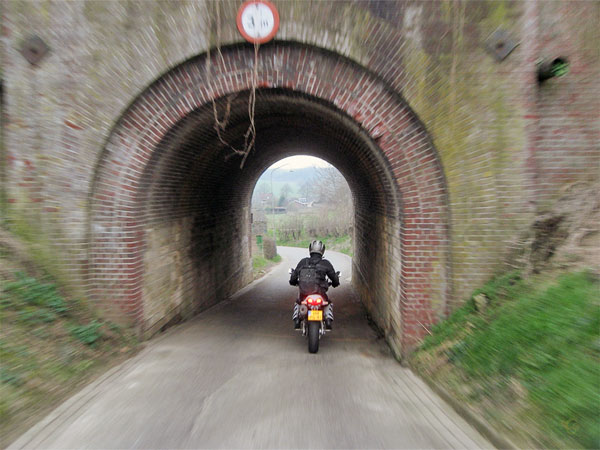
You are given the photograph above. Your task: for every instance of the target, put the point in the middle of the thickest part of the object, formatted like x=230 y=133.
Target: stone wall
x=110 y=156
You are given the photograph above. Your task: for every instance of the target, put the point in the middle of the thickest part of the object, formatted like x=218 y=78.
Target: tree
x=263 y=188
x=330 y=187
x=286 y=190
x=305 y=190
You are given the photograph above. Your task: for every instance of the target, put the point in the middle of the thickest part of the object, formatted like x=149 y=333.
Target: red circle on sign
x=269 y=36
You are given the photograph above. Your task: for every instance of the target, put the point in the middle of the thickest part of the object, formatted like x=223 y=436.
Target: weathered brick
x=112 y=158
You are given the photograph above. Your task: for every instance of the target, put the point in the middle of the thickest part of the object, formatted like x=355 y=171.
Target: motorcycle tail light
x=314 y=300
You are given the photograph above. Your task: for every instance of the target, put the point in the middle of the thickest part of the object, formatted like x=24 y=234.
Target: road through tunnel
x=170 y=207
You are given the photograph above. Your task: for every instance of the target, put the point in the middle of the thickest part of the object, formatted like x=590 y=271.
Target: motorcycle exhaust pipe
x=303 y=311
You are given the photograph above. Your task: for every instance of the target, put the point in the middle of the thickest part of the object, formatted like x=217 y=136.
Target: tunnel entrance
x=170 y=221
x=299 y=199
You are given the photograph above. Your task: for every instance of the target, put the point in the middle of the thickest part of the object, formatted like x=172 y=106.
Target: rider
x=323 y=268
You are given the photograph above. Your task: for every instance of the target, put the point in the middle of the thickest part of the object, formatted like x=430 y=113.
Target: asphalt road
x=239 y=376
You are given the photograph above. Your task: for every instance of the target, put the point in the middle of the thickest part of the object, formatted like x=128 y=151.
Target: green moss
x=498 y=14
x=461 y=98
x=162 y=32
x=27 y=227
x=95 y=10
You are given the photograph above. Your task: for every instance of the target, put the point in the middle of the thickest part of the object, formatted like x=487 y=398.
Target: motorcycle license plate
x=315 y=315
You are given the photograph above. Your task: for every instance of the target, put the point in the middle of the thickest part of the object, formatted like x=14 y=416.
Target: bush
x=88 y=334
x=269 y=248
x=28 y=291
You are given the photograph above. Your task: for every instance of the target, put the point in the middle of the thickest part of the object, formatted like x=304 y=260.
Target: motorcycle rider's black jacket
x=323 y=268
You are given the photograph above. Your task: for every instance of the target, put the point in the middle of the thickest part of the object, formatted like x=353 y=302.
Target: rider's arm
x=333 y=276
x=294 y=276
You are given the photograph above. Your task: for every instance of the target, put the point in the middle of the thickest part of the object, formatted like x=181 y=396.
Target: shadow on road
x=239 y=376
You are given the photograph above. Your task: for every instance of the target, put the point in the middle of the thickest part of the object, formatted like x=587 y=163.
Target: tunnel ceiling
x=192 y=162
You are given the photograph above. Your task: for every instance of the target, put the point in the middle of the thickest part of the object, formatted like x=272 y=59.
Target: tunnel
x=170 y=221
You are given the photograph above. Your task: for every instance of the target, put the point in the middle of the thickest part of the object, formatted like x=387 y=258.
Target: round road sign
x=258 y=21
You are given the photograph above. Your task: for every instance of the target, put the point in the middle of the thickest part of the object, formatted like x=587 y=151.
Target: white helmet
x=316 y=247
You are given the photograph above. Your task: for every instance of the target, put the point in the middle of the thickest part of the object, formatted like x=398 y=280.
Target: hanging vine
x=221 y=124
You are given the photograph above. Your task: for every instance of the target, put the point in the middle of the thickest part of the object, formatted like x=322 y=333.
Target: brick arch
x=400 y=150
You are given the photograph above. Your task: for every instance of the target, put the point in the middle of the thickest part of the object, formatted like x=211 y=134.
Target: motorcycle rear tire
x=313 y=336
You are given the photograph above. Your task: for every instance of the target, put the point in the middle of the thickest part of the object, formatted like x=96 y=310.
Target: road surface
x=239 y=376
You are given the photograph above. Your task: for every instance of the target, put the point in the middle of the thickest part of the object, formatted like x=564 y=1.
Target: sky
x=299 y=162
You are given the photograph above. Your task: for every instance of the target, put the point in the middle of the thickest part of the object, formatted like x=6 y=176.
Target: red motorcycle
x=313 y=312
x=313 y=322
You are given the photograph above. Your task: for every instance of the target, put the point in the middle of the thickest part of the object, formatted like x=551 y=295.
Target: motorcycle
x=311 y=313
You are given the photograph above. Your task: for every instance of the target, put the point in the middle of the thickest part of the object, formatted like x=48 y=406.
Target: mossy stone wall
x=506 y=144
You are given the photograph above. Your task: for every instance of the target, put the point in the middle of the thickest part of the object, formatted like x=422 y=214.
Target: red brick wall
x=397 y=182
x=566 y=111
x=450 y=153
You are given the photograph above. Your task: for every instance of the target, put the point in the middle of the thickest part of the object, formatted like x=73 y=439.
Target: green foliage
x=9 y=377
x=39 y=247
x=48 y=344
x=88 y=334
x=259 y=262
x=35 y=301
x=36 y=316
x=17 y=362
x=449 y=328
x=333 y=226
x=547 y=339
x=500 y=287
x=560 y=69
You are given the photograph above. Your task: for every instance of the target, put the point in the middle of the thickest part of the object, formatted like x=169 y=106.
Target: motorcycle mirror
x=339 y=273
x=291 y=271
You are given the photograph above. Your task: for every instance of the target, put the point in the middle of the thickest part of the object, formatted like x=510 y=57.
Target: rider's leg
x=328 y=310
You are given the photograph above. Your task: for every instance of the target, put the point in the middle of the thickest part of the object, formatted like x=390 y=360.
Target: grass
x=49 y=345
x=533 y=354
x=39 y=248
x=260 y=264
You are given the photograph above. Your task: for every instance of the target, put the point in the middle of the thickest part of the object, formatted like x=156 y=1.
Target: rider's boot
x=328 y=316
x=296 y=316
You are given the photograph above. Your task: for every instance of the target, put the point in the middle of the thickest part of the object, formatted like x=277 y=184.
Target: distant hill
x=294 y=178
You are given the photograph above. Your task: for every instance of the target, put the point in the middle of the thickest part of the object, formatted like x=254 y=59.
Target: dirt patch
x=567 y=236
x=548 y=235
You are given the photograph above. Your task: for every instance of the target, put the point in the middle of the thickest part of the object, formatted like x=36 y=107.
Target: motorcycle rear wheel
x=313 y=336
